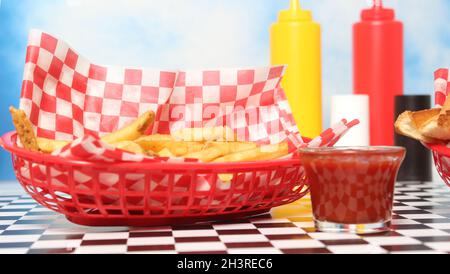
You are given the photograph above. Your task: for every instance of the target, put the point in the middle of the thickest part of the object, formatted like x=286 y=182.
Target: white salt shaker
x=352 y=107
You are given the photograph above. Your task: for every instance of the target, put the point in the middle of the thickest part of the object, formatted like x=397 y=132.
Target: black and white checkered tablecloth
x=421 y=225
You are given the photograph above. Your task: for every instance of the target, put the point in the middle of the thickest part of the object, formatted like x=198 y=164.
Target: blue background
x=208 y=33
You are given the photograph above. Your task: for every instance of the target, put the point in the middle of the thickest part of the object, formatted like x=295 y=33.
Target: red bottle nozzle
x=378 y=3
x=378 y=12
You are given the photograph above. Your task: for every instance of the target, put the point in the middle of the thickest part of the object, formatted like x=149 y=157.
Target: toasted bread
x=438 y=127
x=420 y=118
x=446 y=106
x=407 y=124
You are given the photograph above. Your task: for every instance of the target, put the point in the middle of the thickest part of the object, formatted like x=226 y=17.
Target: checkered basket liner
x=67 y=97
x=441 y=153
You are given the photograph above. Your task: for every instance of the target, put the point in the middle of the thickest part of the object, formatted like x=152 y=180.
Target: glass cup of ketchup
x=352 y=188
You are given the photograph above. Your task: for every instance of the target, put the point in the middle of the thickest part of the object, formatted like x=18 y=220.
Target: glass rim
x=352 y=150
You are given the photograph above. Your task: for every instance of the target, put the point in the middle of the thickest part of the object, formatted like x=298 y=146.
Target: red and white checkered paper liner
x=441 y=86
x=67 y=97
x=442 y=90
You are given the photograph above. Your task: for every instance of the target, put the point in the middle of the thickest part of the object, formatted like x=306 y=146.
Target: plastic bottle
x=296 y=41
x=378 y=67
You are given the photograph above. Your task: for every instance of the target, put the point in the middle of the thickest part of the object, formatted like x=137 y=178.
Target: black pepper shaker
x=418 y=163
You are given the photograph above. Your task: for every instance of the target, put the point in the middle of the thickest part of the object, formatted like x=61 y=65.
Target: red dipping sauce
x=352 y=186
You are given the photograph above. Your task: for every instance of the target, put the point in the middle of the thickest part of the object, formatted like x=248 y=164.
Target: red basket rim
x=438 y=148
x=7 y=143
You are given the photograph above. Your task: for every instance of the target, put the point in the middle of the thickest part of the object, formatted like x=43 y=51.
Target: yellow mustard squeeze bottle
x=295 y=41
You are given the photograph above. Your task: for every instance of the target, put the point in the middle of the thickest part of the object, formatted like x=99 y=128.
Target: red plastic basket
x=256 y=187
x=441 y=155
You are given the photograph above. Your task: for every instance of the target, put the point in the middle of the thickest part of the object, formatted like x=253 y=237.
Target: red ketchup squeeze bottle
x=378 y=68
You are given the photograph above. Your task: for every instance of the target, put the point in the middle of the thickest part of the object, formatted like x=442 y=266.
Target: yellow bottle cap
x=295 y=13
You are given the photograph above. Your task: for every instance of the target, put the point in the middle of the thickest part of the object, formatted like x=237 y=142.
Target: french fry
x=208 y=134
x=218 y=149
x=236 y=146
x=180 y=149
x=24 y=129
x=156 y=146
x=208 y=154
x=131 y=132
x=49 y=146
x=267 y=152
x=214 y=144
x=227 y=178
x=155 y=142
x=166 y=153
x=129 y=146
x=155 y=137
